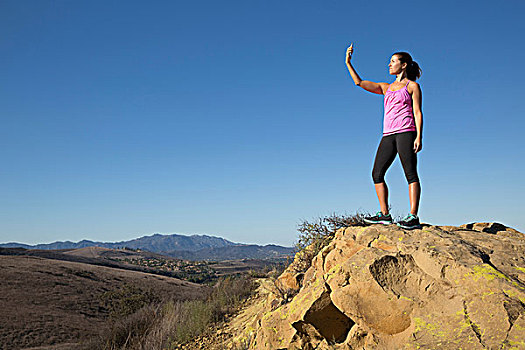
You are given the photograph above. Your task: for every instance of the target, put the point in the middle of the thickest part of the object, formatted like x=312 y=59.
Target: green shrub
x=228 y=293
x=126 y=300
x=163 y=326
x=193 y=318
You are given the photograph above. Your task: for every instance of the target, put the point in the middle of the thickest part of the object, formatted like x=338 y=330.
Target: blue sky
x=239 y=119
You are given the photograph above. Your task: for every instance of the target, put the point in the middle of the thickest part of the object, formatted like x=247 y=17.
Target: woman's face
x=395 y=66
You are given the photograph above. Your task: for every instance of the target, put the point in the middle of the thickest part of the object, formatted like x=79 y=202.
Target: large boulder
x=382 y=287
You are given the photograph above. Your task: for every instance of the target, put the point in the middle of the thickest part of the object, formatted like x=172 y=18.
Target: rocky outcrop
x=382 y=287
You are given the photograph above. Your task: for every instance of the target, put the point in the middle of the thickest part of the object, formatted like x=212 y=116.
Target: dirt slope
x=46 y=301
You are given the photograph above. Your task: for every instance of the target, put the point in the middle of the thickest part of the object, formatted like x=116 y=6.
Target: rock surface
x=382 y=287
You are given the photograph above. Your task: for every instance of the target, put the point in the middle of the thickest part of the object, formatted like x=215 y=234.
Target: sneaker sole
x=409 y=227
x=378 y=222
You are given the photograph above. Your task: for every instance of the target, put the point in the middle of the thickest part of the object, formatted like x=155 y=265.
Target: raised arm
x=376 y=88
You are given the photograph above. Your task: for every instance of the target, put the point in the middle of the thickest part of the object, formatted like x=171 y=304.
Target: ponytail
x=413 y=70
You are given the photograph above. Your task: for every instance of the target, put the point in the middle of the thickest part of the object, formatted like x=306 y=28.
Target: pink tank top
x=399 y=116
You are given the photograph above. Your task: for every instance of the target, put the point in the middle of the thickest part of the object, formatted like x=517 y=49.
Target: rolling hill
x=52 y=302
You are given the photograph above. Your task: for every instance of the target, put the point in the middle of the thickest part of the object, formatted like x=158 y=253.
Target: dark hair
x=413 y=70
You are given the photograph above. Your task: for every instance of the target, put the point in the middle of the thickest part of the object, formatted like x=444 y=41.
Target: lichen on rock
x=382 y=287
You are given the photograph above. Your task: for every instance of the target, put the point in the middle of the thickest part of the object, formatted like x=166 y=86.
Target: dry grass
x=51 y=302
x=166 y=325
x=315 y=235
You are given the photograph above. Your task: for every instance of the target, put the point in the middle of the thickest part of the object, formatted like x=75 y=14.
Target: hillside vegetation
x=88 y=298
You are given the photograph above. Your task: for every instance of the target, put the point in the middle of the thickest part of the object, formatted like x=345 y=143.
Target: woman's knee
x=412 y=177
x=378 y=176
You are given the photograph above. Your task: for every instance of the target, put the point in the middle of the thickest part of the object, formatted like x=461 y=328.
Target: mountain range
x=195 y=247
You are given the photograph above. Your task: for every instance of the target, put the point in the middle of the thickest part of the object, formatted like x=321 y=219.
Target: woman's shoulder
x=412 y=86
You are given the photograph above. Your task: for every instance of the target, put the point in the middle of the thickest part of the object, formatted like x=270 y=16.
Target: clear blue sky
x=239 y=119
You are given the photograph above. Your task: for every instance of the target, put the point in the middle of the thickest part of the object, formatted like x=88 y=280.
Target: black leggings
x=402 y=143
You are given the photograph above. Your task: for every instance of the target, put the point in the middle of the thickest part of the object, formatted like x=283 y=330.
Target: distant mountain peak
x=194 y=247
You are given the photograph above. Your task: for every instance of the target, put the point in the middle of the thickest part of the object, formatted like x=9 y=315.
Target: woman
x=402 y=133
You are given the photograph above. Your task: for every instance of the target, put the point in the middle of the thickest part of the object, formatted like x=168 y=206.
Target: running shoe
x=379 y=218
x=410 y=222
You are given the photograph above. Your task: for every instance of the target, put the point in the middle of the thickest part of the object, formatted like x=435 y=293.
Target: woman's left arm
x=417 y=100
